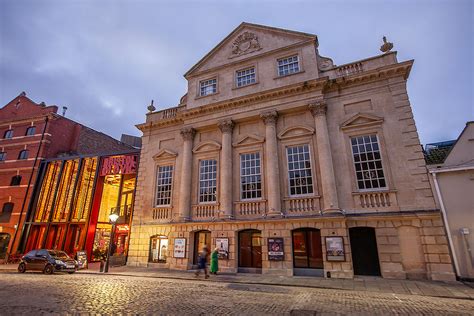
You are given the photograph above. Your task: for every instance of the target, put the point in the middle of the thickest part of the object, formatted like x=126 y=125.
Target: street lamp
x=113 y=219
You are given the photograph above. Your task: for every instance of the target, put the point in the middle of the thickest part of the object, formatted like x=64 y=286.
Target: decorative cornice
x=269 y=117
x=226 y=126
x=188 y=133
x=318 y=108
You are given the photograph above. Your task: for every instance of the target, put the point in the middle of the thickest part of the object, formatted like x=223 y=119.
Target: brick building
x=289 y=165
x=29 y=133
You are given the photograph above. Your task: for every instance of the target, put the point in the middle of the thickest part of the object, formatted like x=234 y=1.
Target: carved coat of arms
x=245 y=43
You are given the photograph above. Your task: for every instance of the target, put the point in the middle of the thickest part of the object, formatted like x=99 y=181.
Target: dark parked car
x=48 y=261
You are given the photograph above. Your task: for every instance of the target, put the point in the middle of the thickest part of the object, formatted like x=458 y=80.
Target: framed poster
x=179 y=248
x=81 y=259
x=335 y=248
x=275 y=249
x=223 y=245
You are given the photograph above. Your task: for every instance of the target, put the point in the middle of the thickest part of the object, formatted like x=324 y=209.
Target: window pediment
x=296 y=131
x=248 y=140
x=165 y=154
x=362 y=120
x=207 y=146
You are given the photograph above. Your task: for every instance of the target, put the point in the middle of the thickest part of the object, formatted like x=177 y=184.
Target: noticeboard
x=275 y=249
x=82 y=259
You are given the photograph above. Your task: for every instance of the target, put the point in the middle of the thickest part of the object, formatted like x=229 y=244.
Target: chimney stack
x=64 y=110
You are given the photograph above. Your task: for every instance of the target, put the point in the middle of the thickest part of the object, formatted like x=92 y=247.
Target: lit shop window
x=164 y=185
x=367 y=162
x=65 y=190
x=158 y=249
x=208 y=87
x=207 y=180
x=250 y=176
x=288 y=66
x=45 y=199
x=85 y=185
x=299 y=170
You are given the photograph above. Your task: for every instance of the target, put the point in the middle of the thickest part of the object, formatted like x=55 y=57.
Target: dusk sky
x=105 y=60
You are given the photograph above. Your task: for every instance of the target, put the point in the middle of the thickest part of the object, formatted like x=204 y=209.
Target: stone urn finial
x=386 y=46
x=151 y=108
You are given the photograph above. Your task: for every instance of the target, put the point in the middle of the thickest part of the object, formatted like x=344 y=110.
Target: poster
x=335 y=249
x=81 y=259
x=180 y=247
x=223 y=245
x=275 y=249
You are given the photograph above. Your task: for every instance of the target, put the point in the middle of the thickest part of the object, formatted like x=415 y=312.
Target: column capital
x=318 y=108
x=226 y=126
x=269 y=117
x=188 y=133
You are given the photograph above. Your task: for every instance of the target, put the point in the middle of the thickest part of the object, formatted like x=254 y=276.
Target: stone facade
x=295 y=100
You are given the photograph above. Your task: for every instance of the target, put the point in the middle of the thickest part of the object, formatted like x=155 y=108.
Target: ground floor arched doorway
x=201 y=238
x=307 y=252
x=250 y=251
x=365 y=257
x=4 y=241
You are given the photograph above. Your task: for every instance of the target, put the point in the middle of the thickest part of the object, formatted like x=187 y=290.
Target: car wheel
x=48 y=269
x=22 y=267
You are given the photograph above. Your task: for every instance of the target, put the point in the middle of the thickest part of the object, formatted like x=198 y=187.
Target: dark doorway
x=201 y=238
x=365 y=256
x=250 y=251
x=4 y=241
x=307 y=252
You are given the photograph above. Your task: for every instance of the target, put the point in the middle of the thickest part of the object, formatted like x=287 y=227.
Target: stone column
x=328 y=180
x=272 y=168
x=186 y=172
x=226 y=200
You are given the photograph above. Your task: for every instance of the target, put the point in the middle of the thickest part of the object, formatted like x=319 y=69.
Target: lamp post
x=113 y=219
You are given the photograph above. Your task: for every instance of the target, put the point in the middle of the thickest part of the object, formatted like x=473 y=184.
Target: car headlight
x=58 y=262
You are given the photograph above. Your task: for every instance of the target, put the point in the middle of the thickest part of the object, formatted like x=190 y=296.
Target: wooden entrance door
x=250 y=251
x=365 y=256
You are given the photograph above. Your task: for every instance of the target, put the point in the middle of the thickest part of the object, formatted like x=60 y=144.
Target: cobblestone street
x=111 y=294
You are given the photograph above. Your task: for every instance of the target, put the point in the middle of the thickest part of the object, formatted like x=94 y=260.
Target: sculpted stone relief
x=245 y=43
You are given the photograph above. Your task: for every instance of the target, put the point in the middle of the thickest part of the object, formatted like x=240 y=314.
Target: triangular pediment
x=249 y=140
x=23 y=107
x=207 y=146
x=249 y=40
x=296 y=131
x=165 y=154
x=362 y=120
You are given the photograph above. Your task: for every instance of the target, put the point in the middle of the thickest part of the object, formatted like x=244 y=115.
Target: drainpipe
x=445 y=218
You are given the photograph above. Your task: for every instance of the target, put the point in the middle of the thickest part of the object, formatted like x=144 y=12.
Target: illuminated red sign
x=118 y=165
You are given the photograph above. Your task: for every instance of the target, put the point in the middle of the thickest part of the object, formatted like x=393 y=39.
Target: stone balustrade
x=161 y=214
x=382 y=200
x=250 y=209
x=302 y=205
x=205 y=211
x=349 y=69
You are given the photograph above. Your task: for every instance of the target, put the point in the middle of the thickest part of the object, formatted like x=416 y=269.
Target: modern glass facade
x=72 y=201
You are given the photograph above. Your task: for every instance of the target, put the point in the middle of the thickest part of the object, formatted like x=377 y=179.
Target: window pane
x=163 y=185
x=250 y=178
x=368 y=165
x=299 y=170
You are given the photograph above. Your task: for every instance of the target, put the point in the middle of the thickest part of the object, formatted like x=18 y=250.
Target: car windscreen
x=58 y=254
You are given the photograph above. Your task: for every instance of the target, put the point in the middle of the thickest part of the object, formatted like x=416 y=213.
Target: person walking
x=202 y=262
x=214 y=261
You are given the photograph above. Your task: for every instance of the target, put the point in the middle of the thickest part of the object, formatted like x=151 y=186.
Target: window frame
x=262 y=174
x=8 y=134
x=236 y=76
x=2 y=212
x=311 y=168
x=216 y=180
x=155 y=194
x=3 y=156
x=288 y=56
x=13 y=179
x=30 y=128
x=199 y=95
x=21 y=154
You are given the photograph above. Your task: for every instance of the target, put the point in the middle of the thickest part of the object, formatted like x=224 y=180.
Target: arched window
x=23 y=154
x=8 y=134
x=6 y=213
x=30 y=131
x=3 y=156
x=16 y=180
x=158 y=249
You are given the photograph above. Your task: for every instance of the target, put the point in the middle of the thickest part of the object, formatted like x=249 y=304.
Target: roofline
x=212 y=51
x=459 y=137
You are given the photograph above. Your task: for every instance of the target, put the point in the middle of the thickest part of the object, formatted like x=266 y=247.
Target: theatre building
x=290 y=165
x=73 y=199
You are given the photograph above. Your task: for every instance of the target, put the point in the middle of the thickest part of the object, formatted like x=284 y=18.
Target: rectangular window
x=287 y=66
x=250 y=176
x=367 y=162
x=85 y=184
x=163 y=185
x=207 y=180
x=245 y=77
x=208 y=87
x=299 y=170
